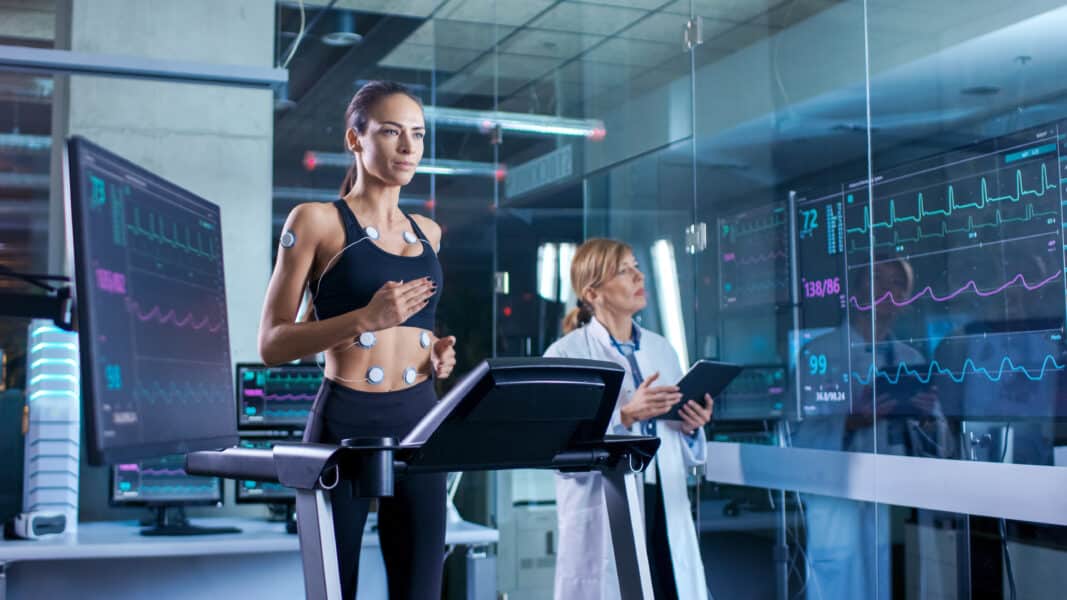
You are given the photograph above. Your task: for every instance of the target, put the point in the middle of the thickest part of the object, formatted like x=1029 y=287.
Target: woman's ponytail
x=594 y=262
x=577 y=317
x=350 y=179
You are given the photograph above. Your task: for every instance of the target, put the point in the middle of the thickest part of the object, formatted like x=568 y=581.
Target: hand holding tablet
x=704 y=377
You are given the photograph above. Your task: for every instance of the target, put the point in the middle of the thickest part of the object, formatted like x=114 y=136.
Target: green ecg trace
x=984 y=199
x=945 y=229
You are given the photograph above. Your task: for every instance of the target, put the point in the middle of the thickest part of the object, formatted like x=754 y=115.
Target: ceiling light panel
x=588 y=18
x=459 y=34
x=549 y=44
x=503 y=12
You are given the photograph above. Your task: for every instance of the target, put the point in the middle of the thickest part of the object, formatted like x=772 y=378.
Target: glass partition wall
x=861 y=201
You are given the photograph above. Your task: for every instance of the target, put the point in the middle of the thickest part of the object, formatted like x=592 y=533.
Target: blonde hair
x=594 y=262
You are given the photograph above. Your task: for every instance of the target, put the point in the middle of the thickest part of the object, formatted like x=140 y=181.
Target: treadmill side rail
x=627 y=533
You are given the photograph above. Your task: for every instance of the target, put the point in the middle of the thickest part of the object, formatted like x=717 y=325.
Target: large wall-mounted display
x=151 y=301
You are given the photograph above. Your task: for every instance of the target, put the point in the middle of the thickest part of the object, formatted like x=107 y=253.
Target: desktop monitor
x=162 y=481
x=151 y=308
x=275 y=397
x=264 y=492
x=162 y=485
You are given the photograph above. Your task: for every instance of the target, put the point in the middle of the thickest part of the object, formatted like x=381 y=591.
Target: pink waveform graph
x=971 y=285
x=110 y=281
x=294 y=397
x=170 y=316
x=163 y=472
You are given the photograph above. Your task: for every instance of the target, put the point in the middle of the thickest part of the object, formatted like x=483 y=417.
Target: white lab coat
x=585 y=564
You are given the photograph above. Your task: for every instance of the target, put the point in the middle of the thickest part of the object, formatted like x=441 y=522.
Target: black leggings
x=411 y=523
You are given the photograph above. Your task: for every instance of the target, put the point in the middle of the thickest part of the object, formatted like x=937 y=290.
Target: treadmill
x=507 y=413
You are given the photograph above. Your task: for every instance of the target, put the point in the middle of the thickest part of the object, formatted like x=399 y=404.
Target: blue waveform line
x=286 y=413
x=758 y=286
x=981 y=203
x=183 y=391
x=936 y=368
x=162 y=489
x=945 y=230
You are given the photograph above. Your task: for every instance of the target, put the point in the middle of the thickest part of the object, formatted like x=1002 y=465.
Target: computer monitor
x=264 y=492
x=162 y=485
x=151 y=308
x=162 y=481
x=275 y=397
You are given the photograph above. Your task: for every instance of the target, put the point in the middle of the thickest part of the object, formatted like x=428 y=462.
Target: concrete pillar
x=213 y=140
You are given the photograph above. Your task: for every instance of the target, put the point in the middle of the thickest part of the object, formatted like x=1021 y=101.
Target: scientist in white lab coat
x=611 y=290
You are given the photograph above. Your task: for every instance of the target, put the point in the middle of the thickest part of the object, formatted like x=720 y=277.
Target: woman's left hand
x=694 y=416
x=443 y=356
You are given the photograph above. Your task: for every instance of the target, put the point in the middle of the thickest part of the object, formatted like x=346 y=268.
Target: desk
x=112 y=560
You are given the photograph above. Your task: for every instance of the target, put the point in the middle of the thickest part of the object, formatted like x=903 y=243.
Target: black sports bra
x=363 y=268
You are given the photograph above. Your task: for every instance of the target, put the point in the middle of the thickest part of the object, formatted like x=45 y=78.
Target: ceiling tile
x=642 y=4
x=729 y=10
x=514 y=66
x=666 y=28
x=459 y=34
x=595 y=75
x=550 y=44
x=408 y=8
x=621 y=51
x=503 y=12
x=427 y=58
x=588 y=18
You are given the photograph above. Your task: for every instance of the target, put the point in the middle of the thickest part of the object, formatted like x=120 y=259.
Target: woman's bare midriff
x=394 y=350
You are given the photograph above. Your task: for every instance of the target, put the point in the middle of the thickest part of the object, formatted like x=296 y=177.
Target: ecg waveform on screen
x=281 y=396
x=944 y=230
x=170 y=316
x=154 y=228
x=969 y=368
x=756 y=259
x=186 y=391
x=984 y=199
x=289 y=397
x=162 y=472
x=970 y=285
x=753 y=254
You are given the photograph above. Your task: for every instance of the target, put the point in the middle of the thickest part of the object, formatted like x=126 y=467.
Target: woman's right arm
x=281 y=338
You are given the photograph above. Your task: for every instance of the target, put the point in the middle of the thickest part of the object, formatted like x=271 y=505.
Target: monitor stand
x=171 y=520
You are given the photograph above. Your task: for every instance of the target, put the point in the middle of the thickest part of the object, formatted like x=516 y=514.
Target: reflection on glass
x=669 y=298
x=547 y=272
x=952 y=276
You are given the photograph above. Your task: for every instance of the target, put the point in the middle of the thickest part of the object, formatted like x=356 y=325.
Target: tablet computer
x=704 y=377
